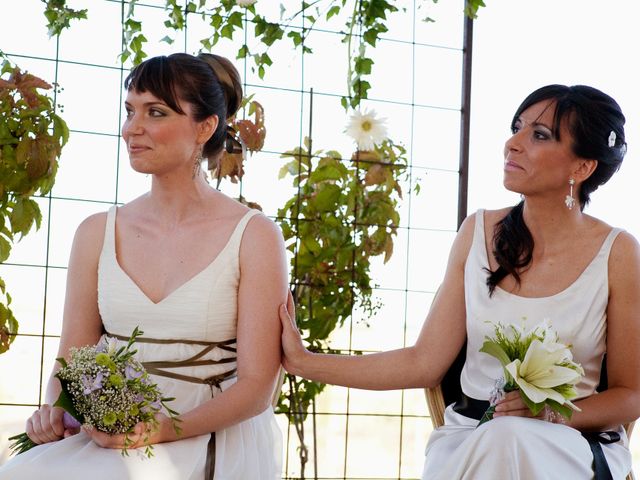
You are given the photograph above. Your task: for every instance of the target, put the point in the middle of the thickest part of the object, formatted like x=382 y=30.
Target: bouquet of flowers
x=536 y=364
x=105 y=387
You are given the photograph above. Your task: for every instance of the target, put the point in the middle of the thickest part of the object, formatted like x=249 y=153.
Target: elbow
x=259 y=396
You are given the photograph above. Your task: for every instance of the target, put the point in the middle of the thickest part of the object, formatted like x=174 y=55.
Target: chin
x=140 y=167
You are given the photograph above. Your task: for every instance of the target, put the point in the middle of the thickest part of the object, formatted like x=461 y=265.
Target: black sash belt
x=473 y=408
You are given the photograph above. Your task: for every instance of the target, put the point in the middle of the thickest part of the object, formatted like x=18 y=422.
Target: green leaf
x=535 y=408
x=327 y=197
x=243 y=51
x=25 y=213
x=65 y=402
x=370 y=36
x=332 y=11
x=496 y=351
x=363 y=65
x=5 y=249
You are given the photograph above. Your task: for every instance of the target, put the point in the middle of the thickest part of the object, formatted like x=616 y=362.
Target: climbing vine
x=31 y=139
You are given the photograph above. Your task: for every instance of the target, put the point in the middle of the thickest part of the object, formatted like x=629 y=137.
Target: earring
x=569 y=201
x=197 y=165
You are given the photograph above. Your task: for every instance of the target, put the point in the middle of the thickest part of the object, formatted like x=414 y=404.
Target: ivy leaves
x=344 y=214
x=31 y=140
x=59 y=16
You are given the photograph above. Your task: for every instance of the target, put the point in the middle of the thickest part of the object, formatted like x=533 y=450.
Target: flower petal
x=556 y=376
x=539 y=395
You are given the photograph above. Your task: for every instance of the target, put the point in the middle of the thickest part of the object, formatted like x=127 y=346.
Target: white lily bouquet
x=105 y=387
x=536 y=364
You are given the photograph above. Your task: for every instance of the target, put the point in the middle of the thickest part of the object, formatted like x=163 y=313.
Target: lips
x=511 y=166
x=137 y=148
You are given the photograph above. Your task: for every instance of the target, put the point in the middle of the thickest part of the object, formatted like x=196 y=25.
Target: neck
x=551 y=220
x=179 y=197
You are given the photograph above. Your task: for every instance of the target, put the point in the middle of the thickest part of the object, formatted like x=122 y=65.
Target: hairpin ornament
x=612 y=139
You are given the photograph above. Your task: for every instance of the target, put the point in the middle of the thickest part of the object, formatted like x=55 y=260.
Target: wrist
x=166 y=430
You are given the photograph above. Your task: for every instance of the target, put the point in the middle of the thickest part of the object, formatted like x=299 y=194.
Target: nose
x=513 y=143
x=132 y=126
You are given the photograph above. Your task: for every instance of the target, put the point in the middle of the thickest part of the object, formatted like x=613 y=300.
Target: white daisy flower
x=367 y=130
x=245 y=3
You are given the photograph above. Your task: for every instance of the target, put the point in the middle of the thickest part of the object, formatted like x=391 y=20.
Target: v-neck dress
x=199 y=316
x=516 y=447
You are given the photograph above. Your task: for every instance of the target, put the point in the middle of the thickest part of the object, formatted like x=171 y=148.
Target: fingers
x=512 y=405
x=55 y=419
x=134 y=439
x=45 y=425
x=291 y=306
x=287 y=314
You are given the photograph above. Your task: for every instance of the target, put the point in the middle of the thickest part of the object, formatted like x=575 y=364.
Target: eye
x=129 y=112
x=154 y=112
x=541 y=135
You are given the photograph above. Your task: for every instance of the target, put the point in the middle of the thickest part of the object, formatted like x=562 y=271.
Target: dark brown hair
x=209 y=83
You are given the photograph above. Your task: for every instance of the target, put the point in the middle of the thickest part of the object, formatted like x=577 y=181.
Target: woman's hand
x=140 y=436
x=513 y=405
x=47 y=425
x=292 y=347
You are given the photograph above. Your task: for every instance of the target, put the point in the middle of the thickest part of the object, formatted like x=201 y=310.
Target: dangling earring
x=197 y=165
x=569 y=201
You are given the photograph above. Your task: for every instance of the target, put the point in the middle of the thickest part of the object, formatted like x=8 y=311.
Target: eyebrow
x=149 y=104
x=535 y=123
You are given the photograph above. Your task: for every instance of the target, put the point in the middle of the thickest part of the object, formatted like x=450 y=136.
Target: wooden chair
x=449 y=390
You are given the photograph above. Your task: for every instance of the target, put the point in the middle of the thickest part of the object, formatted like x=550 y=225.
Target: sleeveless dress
x=514 y=448
x=200 y=316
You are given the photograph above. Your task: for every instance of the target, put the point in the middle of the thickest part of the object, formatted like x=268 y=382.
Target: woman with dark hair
x=542 y=260
x=201 y=274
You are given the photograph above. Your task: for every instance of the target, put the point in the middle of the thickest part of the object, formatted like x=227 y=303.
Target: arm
x=263 y=287
x=81 y=321
x=620 y=403
x=422 y=365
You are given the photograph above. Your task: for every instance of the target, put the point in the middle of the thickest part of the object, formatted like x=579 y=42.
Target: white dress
x=202 y=312
x=514 y=448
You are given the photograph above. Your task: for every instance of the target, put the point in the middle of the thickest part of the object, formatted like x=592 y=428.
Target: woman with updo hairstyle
x=541 y=262
x=199 y=273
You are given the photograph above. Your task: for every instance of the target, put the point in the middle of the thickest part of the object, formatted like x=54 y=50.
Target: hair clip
x=612 y=139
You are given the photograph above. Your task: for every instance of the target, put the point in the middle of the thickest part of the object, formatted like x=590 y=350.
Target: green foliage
x=31 y=139
x=344 y=213
x=59 y=16
x=362 y=30
x=134 y=40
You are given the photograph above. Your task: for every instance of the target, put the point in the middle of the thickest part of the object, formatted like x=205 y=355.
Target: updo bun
x=229 y=79
x=209 y=83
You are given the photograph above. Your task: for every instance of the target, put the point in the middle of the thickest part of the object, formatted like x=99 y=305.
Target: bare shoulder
x=91 y=230
x=464 y=239
x=262 y=232
x=625 y=249
x=493 y=217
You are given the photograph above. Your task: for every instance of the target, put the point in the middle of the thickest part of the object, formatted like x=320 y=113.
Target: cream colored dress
x=512 y=448
x=202 y=313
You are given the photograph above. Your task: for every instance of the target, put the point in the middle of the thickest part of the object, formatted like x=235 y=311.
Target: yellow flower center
x=366 y=125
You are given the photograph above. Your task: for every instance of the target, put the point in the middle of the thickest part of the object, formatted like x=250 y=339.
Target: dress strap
x=608 y=242
x=109 y=245
x=236 y=236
